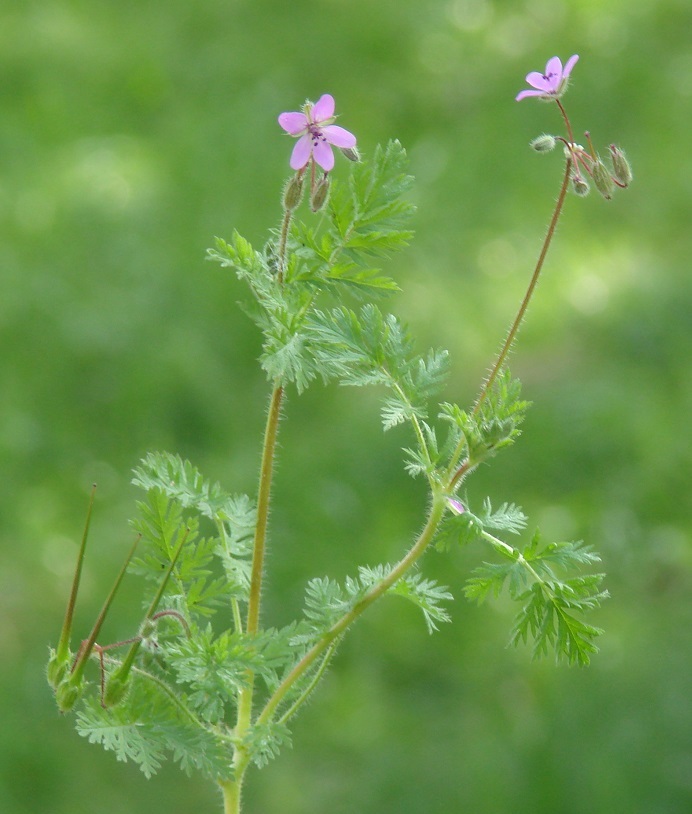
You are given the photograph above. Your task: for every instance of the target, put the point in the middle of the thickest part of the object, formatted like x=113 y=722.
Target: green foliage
x=202 y=681
x=366 y=215
x=265 y=741
x=366 y=218
x=370 y=347
x=493 y=424
x=150 y=724
x=427 y=595
x=552 y=601
x=326 y=601
x=465 y=528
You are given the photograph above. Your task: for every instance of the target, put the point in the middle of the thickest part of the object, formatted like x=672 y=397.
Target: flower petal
x=526 y=93
x=571 y=62
x=553 y=72
x=323 y=108
x=540 y=81
x=338 y=136
x=293 y=123
x=301 y=152
x=323 y=155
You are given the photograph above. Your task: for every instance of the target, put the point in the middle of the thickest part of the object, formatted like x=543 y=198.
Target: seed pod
x=580 y=186
x=603 y=180
x=293 y=192
x=319 y=194
x=621 y=166
x=351 y=153
x=543 y=144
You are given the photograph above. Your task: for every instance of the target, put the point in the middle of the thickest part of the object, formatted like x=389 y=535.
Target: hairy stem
x=263 y=497
x=265 y=480
x=325 y=643
x=514 y=328
x=230 y=789
x=311 y=686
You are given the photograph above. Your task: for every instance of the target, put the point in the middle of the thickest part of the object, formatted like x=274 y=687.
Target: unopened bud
x=351 y=153
x=621 y=166
x=543 y=144
x=67 y=694
x=271 y=257
x=319 y=194
x=57 y=669
x=602 y=179
x=456 y=505
x=580 y=186
x=293 y=192
x=116 y=690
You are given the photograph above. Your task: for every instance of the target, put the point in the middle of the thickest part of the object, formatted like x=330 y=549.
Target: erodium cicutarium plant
x=220 y=699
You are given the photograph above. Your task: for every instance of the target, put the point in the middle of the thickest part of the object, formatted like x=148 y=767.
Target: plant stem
x=266 y=471
x=63 y=648
x=514 y=328
x=413 y=555
x=231 y=795
x=263 y=497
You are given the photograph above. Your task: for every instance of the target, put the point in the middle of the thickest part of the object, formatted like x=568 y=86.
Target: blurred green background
x=133 y=132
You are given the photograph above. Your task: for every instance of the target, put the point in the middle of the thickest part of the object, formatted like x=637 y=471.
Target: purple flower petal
x=301 y=152
x=456 y=505
x=293 y=123
x=525 y=93
x=540 y=81
x=323 y=155
x=323 y=108
x=571 y=62
x=552 y=83
x=338 y=136
x=553 y=72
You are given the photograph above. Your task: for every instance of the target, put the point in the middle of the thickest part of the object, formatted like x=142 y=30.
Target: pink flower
x=314 y=126
x=455 y=505
x=551 y=84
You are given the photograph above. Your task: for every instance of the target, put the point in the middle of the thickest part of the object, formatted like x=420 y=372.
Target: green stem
x=259 y=546
x=230 y=789
x=64 y=643
x=88 y=645
x=283 y=242
x=263 y=497
x=333 y=634
x=311 y=686
x=235 y=604
x=122 y=672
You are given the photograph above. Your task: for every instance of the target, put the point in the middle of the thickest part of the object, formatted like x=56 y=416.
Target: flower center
x=315 y=133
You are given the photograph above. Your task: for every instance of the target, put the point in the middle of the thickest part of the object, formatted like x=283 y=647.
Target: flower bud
x=602 y=179
x=351 y=153
x=319 y=194
x=271 y=257
x=543 y=144
x=293 y=192
x=621 y=166
x=67 y=694
x=57 y=669
x=116 y=690
x=456 y=506
x=580 y=186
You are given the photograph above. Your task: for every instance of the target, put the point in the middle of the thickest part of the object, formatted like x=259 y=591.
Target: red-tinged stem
x=514 y=327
